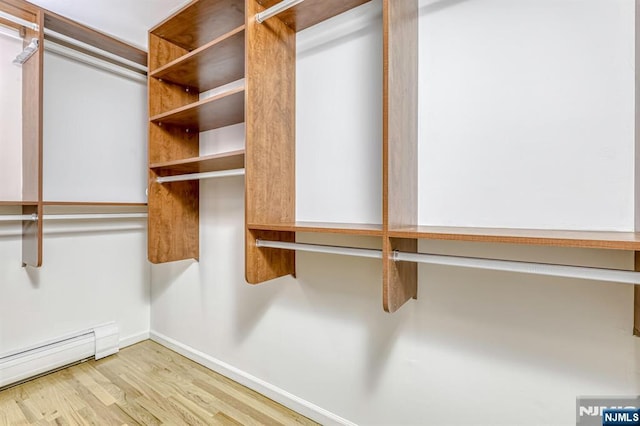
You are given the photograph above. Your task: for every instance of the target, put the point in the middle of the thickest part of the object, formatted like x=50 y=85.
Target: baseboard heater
x=98 y=342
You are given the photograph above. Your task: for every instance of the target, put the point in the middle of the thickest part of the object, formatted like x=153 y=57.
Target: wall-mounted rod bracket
x=27 y=52
x=580 y=272
x=274 y=10
x=316 y=248
x=196 y=176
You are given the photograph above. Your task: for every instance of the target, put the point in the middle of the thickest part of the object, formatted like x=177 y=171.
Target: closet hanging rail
x=19 y=21
x=580 y=272
x=274 y=10
x=87 y=49
x=316 y=248
x=80 y=216
x=196 y=176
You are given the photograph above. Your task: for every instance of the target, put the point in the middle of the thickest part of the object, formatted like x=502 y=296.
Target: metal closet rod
x=196 y=176
x=19 y=21
x=80 y=216
x=274 y=10
x=580 y=272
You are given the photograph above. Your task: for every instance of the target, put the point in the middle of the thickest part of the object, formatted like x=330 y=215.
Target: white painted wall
x=94 y=150
x=11 y=119
x=94 y=133
x=475 y=343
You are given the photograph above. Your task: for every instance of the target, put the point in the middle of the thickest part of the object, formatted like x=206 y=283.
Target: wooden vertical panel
x=32 y=106
x=270 y=141
x=174 y=221
x=400 y=145
x=636 y=299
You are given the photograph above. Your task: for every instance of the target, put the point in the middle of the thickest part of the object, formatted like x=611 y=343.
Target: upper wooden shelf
x=218 y=111
x=218 y=62
x=311 y=12
x=201 y=21
x=18 y=203
x=210 y=163
x=577 y=239
x=322 y=227
x=93 y=204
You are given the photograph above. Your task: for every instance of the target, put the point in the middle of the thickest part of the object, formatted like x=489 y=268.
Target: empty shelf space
x=212 y=113
x=576 y=239
x=212 y=65
x=322 y=227
x=311 y=12
x=210 y=163
x=200 y=22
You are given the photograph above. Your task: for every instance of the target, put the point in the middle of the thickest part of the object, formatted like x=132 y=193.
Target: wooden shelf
x=18 y=203
x=200 y=22
x=212 y=113
x=576 y=239
x=210 y=163
x=311 y=12
x=92 y=203
x=322 y=227
x=212 y=65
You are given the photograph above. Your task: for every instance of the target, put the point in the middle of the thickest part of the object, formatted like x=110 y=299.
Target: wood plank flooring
x=145 y=384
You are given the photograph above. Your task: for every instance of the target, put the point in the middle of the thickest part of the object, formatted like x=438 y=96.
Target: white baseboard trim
x=281 y=396
x=133 y=339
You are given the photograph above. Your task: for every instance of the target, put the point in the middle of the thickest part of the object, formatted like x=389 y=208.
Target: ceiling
x=128 y=20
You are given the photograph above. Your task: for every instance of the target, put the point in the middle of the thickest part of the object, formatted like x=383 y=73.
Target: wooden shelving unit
x=199 y=48
x=321 y=227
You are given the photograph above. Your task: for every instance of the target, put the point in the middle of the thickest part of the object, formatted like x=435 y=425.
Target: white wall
x=94 y=150
x=11 y=119
x=475 y=343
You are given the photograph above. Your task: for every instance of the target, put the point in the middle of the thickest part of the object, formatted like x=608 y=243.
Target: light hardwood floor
x=143 y=384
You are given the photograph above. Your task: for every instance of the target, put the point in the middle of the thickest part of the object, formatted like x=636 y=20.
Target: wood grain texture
x=209 y=163
x=173 y=223
x=400 y=145
x=270 y=142
x=400 y=279
x=267 y=263
x=143 y=384
x=174 y=220
x=218 y=111
x=311 y=12
x=32 y=237
x=93 y=37
x=32 y=124
x=322 y=228
x=636 y=298
x=200 y=22
x=20 y=9
x=214 y=64
x=536 y=237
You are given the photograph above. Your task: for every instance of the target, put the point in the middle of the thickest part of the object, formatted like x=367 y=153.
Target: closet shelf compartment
x=219 y=111
x=200 y=22
x=210 y=163
x=364 y=229
x=215 y=64
x=311 y=12
x=574 y=239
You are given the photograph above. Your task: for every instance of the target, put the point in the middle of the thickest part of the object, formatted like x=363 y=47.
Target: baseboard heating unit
x=98 y=342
